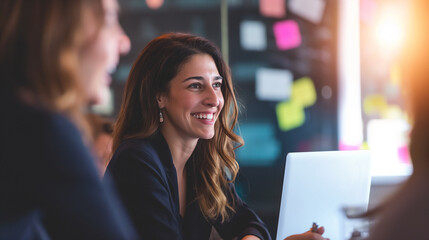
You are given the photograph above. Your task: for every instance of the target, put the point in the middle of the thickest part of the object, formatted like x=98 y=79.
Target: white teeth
x=203 y=116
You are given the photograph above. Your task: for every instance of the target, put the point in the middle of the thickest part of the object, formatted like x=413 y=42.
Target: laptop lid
x=317 y=185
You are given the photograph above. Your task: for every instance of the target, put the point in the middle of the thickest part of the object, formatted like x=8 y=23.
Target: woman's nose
x=212 y=97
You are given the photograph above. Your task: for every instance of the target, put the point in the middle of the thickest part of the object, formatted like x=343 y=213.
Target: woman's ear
x=161 y=99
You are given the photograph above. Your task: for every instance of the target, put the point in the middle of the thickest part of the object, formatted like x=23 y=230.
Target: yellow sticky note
x=393 y=112
x=395 y=74
x=290 y=115
x=364 y=146
x=304 y=92
x=374 y=104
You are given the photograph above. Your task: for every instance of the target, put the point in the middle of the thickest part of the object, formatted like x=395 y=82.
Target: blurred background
x=310 y=75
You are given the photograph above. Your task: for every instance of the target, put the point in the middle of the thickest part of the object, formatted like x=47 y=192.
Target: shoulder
x=139 y=149
x=134 y=157
x=36 y=122
x=43 y=140
x=36 y=128
x=410 y=202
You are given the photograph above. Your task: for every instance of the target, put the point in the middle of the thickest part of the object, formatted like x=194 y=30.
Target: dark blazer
x=49 y=186
x=146 y=181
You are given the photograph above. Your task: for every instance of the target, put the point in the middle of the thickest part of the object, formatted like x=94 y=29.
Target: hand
x=309 y=235
x=250 y=237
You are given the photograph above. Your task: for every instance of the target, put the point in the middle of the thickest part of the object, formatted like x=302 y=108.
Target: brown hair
x=39 y=46
x=156 y=65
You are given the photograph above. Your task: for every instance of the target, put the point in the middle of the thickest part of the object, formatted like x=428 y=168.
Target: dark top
x=146 y=180
x=49 y=186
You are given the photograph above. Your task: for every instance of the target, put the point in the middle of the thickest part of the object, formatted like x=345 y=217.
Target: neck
x=181 y=149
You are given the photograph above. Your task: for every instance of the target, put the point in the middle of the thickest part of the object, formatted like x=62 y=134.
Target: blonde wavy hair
x=151 y=73
x=39 y=47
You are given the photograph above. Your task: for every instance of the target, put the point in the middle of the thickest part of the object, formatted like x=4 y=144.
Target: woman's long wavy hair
x=40 y=42
x=157 y=64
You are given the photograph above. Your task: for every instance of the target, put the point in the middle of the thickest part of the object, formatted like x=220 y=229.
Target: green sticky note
x=374 y=104
x=290 y=115
x=304 y=92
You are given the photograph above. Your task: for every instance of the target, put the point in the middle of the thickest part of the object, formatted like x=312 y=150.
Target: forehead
x=198 y=64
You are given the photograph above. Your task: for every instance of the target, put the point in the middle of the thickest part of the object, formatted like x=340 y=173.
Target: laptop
x=316 y=187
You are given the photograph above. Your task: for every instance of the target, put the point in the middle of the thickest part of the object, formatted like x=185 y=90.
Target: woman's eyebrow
x=194 y=77
x=200 y=78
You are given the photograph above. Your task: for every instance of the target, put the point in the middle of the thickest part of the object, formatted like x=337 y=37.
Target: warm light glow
x=390 y=28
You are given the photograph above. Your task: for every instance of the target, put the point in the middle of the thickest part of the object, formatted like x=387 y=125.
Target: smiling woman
x=174 y=164
x=194 y=100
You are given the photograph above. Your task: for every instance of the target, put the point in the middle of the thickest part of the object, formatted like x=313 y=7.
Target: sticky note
x=395 y=74
x=290 y=115
x=374 y=104
x=392 y=112
x=287 y=34
x=311 y=10
x=273 y=84
x=253 y=35
x=304 y=92
x=404 y=154
x=272 y=8
x=346 y=147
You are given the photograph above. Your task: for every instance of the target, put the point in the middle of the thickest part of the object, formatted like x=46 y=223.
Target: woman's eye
x=195 y=86
x=217 y=85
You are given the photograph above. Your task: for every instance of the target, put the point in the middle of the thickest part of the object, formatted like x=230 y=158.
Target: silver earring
x=161 y=117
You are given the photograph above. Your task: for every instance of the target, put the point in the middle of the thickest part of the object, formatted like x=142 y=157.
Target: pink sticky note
x=287 y=34
x=272 y=8
x=345 y=147
x=403 y=154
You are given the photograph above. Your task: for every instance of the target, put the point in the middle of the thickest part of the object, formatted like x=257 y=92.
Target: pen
x=314 y=227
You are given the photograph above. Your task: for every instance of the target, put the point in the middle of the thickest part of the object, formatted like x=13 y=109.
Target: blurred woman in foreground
x=406 y=214
x=55 y=59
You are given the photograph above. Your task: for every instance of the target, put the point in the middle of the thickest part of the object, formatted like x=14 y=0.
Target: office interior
x=310 y=75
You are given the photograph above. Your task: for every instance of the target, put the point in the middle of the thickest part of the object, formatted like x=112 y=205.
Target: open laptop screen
x=317 y=185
